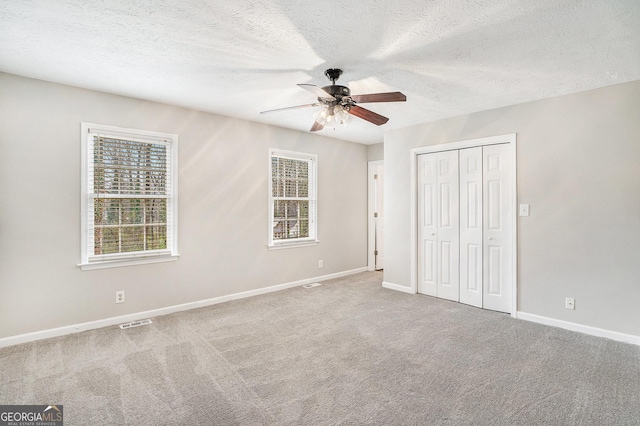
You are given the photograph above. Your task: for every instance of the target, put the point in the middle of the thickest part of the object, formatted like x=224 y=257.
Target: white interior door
x=471 y=247
x=438 y=205
x=497 y=228
x=379 y=217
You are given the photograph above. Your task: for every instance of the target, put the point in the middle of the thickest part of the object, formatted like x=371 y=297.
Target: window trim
x=137 y=258
x=312 y=240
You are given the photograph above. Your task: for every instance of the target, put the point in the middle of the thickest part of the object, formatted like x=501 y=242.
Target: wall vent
x=135 y=324
x=311 y=285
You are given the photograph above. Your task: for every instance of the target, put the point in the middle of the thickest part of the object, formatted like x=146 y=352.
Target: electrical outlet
x=320 y=264
x=570 y=303
x=120 y=296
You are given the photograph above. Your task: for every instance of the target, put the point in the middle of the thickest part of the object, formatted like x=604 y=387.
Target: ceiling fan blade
x=317 y=91
x=380 y=97
x=291 y=107
x=370 y=116
x=316 y=126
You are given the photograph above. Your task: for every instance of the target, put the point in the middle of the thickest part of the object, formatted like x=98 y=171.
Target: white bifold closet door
x=465 y=228
x=440 y=238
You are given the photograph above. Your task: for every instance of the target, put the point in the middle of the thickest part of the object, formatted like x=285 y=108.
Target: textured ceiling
x=240 y=57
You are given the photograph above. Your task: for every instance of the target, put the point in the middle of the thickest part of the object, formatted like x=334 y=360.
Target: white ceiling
x=240 y=57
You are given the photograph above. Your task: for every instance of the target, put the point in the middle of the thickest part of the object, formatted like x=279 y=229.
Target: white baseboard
x=77 y=328
x=397 y=287
x=586 y=329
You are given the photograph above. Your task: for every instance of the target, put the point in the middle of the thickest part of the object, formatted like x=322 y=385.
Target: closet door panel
x=497 y=228
x=427 y=229
x=448 y=229
x=471 y=258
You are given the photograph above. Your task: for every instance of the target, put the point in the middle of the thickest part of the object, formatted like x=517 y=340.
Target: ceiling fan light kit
x=339 y=105
x=332 y=116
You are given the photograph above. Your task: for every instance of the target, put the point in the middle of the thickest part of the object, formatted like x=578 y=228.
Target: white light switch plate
x=524 y=210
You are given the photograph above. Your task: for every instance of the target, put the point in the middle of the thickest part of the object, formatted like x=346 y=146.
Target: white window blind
x=130 y=195
x=292 y=192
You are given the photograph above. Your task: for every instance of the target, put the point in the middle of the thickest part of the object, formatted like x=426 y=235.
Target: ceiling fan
x=340 y=105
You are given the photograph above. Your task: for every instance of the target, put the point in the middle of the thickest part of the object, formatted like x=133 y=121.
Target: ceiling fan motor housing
x=337 y=91
x=341 y=95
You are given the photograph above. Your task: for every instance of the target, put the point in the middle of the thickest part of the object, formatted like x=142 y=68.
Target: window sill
x=126 y=262
x=293 y=245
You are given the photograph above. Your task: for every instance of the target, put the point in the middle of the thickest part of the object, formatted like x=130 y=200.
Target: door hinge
x=375 y=215
x=375 y=176
x=375 y=253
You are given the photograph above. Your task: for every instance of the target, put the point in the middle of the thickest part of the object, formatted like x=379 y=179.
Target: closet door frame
x=471 y=143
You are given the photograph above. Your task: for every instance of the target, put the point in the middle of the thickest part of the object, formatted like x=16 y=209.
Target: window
x=292 y=199
x=129 y=196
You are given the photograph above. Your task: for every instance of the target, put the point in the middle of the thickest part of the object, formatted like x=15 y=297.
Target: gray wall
x=223 y=216
x=375 y=152
x=578 y=166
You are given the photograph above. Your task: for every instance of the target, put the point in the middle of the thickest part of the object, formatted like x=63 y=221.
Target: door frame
x=469 y=143
x=371 y=223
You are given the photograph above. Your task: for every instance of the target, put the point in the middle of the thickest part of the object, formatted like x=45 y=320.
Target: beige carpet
x=347 y=352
